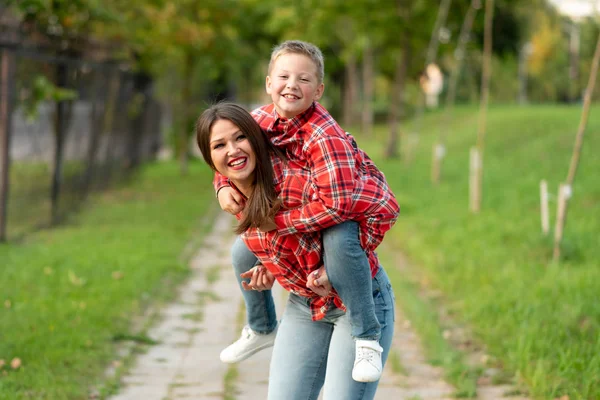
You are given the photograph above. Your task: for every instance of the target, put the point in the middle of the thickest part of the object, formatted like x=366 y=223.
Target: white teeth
x=238 y=162
x=289 y=96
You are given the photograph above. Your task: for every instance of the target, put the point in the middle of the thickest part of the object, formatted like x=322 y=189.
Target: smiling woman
x=233 y=144
x=232 y=154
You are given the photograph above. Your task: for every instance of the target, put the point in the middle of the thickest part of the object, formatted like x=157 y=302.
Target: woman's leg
x=338 y=380
x=260 y=308
x=348 y=270
x=260 y=311
x=299 y=357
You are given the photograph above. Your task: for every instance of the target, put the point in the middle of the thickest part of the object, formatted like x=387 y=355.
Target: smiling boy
x=298 y=125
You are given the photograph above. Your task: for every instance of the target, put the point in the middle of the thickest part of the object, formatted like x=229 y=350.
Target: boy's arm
x=333 y=169
x=219 y=182
x=229 y=199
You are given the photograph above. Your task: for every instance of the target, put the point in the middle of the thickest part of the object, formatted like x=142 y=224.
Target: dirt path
x=205 y=318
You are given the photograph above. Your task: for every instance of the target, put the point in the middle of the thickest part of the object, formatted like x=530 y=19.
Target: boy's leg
x=349 y=272
x=260 y=310
x=338 y=381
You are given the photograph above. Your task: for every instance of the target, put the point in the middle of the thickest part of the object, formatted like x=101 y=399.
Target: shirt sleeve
x=219 y=182
x=333 y=171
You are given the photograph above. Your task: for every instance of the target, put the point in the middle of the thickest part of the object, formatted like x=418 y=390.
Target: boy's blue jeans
x=348 y=270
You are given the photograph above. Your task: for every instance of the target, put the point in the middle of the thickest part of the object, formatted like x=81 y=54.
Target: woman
x=314 y=346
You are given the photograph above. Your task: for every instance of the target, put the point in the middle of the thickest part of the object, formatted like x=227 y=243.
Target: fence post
x=7 y=78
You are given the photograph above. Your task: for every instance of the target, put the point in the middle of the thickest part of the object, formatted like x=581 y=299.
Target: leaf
x=15 y=363
x=75 y=280
x=116 y=275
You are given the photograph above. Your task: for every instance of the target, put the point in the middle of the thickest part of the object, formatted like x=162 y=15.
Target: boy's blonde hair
x=300 y=47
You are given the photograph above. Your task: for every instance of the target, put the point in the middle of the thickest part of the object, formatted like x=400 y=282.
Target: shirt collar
x=297 y=121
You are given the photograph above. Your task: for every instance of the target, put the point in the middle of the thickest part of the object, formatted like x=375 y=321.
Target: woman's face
x=232 y=153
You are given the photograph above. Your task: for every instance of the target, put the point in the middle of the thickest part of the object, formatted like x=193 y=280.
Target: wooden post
x=561 y=214
x=438 y=154
x=561 y=219
x=6 y=84
x=474 y=190
x=544 y=207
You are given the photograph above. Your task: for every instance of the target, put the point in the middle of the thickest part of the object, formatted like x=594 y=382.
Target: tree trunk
x=397 y=100
x=186 y=95
x=574 y=46
x=60 y=127
x=589 y=91
x=485 y=92
x=350 y=92
x=439 y=149
x=368 y=86
x=7 y=80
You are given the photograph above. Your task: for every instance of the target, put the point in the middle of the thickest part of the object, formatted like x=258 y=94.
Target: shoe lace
x=247 y=332
x=365 y=353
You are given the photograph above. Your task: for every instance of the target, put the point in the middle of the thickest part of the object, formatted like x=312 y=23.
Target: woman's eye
x=241 y=137
x=217 y=146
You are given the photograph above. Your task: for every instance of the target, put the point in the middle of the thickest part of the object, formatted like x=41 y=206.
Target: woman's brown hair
x=263 y=201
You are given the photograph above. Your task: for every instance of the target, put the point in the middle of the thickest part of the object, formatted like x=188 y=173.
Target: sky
x=577 y=8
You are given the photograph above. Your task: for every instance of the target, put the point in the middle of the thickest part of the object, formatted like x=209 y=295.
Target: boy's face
x=293 y=84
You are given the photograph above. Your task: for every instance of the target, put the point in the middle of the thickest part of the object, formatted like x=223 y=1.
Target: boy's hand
x=318 y=282
x=260 y=279
x=230 y=200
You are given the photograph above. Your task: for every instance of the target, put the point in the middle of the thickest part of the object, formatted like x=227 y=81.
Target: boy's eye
x=304 y=80
x=283 y=76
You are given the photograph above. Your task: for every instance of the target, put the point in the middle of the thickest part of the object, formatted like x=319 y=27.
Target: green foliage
x=43 y=90
x=70 y=293
x=539 y=320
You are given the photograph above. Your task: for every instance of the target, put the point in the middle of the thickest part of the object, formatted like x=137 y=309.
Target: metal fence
x=54 y=155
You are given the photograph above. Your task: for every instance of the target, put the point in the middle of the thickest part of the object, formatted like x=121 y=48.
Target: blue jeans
x=348 y=270
x=260 y=308
x=310 y=355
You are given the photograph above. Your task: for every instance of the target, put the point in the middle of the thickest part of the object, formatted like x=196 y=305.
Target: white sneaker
x=367 y=363
x=249 y=343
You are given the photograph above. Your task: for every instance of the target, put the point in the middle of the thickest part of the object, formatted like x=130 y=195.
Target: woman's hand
x=318 y=282
x=230 y=200
x=260 y=278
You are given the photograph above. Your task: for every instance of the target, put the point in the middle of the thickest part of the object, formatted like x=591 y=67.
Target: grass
x=424 y=317
x=539 y=320
x=69 y=294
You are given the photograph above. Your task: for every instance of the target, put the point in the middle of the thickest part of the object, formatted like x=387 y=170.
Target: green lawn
x=541 y=321
x=68 y=293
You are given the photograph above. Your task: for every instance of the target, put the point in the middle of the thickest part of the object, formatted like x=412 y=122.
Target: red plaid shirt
x=328 y=180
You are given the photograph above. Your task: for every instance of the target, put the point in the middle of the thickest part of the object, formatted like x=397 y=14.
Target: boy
x=304 y=130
